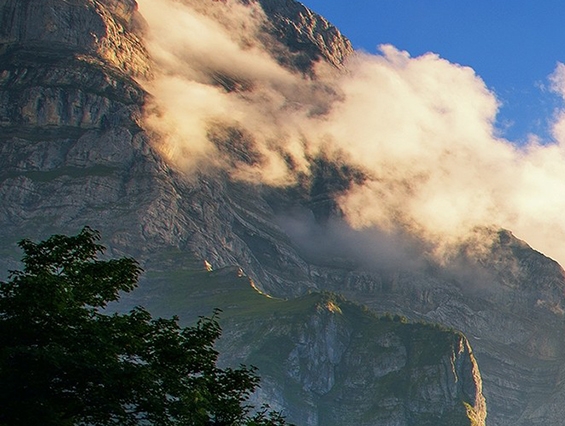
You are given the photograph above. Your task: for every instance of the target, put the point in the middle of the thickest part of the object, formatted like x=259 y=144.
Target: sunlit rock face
x=74 y=151
x=70 y=109
x=307 y=33
x=100 y=29
x=68 y=65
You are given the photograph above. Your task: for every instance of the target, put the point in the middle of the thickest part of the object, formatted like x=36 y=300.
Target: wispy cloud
x=422 y=129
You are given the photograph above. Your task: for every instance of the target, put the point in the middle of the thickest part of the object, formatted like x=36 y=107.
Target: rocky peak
x=306 y=32
x=97 y=31
x=122 y=9
x=68 y=66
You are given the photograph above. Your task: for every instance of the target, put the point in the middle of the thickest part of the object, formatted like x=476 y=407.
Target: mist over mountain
x=249 y=135
x=419 y=129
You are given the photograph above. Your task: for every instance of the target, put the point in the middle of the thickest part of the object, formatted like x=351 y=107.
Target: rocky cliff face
x=509 y=309
x=55 y=76
x=306 y=34
x=73 y=151
x=326 y=361
x=332 y=371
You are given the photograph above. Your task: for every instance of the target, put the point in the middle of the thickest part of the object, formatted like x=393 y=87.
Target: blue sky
x=513 y=45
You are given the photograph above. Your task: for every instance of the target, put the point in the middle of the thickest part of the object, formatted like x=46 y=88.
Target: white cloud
x=422 y=128
x=557 y=86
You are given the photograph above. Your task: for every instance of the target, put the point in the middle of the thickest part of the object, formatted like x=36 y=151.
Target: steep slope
x=68 y=113
x=74 y=152
x=326 y=361
x=509 y=305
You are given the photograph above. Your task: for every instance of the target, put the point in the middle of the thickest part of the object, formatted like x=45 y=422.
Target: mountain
x=78 y=148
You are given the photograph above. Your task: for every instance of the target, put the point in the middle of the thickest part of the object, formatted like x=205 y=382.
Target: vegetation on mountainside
x=65 y=361
x=385 y=366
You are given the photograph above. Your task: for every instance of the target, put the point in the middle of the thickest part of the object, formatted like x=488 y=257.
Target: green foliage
x=64 y=361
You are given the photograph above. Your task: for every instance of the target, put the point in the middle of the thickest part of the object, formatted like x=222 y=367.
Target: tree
x=65 y=361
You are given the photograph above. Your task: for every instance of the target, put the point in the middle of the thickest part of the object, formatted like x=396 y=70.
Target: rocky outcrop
x=68 y=65
x=101 y=30
x=326 y=361
x=305 y=33
x=507 y=301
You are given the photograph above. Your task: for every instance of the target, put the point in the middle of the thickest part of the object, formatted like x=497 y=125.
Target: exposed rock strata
x=510 y=308
x=326 y=361
x=306 y=33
